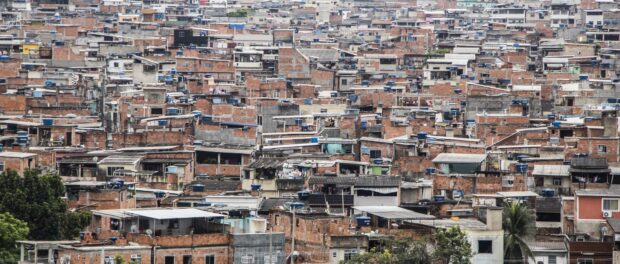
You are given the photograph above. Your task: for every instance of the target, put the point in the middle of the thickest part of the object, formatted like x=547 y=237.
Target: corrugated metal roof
x=551 y=170
x=459 y=158
x=266 y=163
x=161 y=214
x=392 y=212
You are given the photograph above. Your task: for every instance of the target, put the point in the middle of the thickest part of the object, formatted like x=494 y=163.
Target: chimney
x=494 y=218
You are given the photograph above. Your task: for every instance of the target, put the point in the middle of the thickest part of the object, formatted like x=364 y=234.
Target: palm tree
x=519 y=226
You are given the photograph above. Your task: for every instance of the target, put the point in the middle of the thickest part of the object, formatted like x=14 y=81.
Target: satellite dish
x=148 y=232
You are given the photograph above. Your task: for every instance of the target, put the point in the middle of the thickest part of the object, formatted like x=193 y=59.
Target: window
x=601 y=148
x=111 y=170
x=557 y=181
x=173 y=224
x=585 y=261
x=116 y=65
x=552 y=260
x=485 y=246
x=375 y=154
x=334 y=254
x=349 y=253
x=169 y=260
x=1 y=165
x=115 y=224
x=610 y=205
x=209 y=259
x=157 y=111
x=344 y=82
x=187 y=259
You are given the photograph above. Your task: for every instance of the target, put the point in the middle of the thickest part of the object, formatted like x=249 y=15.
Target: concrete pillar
x=21 y=253
x=50 y=255
x=36 y=253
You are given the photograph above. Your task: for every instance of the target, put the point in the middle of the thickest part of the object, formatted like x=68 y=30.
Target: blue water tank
x=37 y=94
x=387 y=89
x=22 y=137
x=365 y=83
x=520 y=158
x=304 y=127
x=183 y=99
x=4 y=58
x=430 y=171
x=521 y=167
x=255 y=187
x=198 y=187
x=207 y=119
x=297 y=205
x=314 y=140
x=48 y=121
x=439 y=198
x=159 y=194
x=363 y=221
x=308 y=101
x=551 y=116
x=557 y=124
x=303 y=195
x=547 y=192
x=162 y=122
x=197 y=114
x=172 y=111
x=364 y=124
x=422 y=135
x=583 y=77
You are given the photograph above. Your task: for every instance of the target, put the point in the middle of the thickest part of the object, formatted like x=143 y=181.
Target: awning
x=174 y=214
x=383 y=190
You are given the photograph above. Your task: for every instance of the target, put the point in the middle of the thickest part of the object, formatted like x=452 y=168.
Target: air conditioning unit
x=607 y=214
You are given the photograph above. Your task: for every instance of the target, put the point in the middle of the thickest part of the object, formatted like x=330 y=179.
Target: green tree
x=451 y=246
x=403 y=251
x=519 y=225
x=37 y=200
x=11 y=230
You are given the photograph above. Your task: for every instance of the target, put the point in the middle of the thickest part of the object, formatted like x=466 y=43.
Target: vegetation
x=11 y=230
x=452 y=246
x=519 y=225
x=238 y=13
x=445 y=246
x=37 y=200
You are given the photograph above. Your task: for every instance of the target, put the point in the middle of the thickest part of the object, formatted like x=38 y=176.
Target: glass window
x=557 y=181
x=485 y=246
x=209 y=259
x=552 y=260
x=349 y=253
x=585 y=261
x=187 y=259
x=610 y=205
x=602 y=148
x=169 y=260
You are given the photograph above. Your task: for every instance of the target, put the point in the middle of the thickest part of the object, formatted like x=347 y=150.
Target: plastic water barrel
x=521 y=167
x=48 y=121
x=303 y=195
x=363 y=221
x=422 y=135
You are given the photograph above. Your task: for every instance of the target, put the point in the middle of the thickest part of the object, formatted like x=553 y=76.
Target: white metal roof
x=459 y=158
x=392 y=212
x=19 y=155
x=161 y=214
x=551 y=170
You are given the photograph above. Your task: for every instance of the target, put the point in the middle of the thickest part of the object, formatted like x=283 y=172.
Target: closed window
x=169 y=260
x=349 y=253
x=557 y=181
x=585 y=261
x=485 y=246
x=375 y=154
x=209 y=259
x=552 y=260
x=610 y=204
x=111 y=170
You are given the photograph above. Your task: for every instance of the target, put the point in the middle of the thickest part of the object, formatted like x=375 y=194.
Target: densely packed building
x=238 y=131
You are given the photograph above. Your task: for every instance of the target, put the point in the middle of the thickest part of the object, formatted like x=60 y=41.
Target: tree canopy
x=449 y=246
x=519 y=224
x=37 y=200
x=11 y=230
